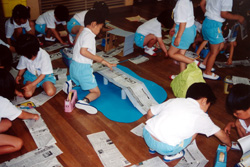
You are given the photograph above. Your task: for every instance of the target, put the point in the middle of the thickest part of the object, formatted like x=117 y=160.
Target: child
x=185 y=33
x=174 y=124
x=84 y=52
x=149 y=33
x=18 y=23
x=8 y=113
x=46 y=23
x=38 y=64
x=76 y=23
x=216 y=11
x=237 y=103
x=5 y=58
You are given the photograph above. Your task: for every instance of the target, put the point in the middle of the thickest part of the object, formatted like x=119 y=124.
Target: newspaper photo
x=106 y=150
x=139 y=59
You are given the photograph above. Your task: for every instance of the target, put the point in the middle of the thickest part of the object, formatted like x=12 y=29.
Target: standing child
x=76 y=23
x=149 y=33
x=185 y=33
x=8 y=112
x=19 y=23
x=84 y=53
x=238 y=104
x=216 y=11
x=174 y=124
x=47 y=22
x=34 y=66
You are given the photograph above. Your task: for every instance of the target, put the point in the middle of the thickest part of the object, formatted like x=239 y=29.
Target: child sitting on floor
x=47 y=22
x=18 y=24
x=34 y=66
x=149 y=33
x=174 y=124
x=84 y=53
x=237 y=103
x=8 y=112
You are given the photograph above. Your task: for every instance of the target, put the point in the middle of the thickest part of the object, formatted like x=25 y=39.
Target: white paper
x=106 y=150
x=139 y=59
x=14 y=72
x=238 y=80
x=167 y=41
x=55 y=56
x=193 y=157
x=191 y=55
x=245 y=143
x=243 y=29
x=153 y=162
x=31 y=159
x=54 y=47
x=136 y=91
x=234 y=63
x=138 y=130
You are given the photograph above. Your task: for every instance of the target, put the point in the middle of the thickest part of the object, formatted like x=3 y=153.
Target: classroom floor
x=70 y=129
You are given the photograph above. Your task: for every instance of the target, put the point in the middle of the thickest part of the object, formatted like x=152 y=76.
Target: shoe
x=67 y=86
x=203 y=67
x=171 y=77
x=71 y=39
x=83 y=105
x=149 y=51
x=51 y=39
x=212 y=77
x=168 y=158
x=151 y=151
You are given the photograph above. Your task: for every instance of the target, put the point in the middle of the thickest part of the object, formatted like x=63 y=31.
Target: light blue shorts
x=40 y=28
x=139 y=39
x=163 y=148
x=211 y=31
x=187 y=37
x=24 y=32
x=28 y=76
x=73 y=22
x=82 y=74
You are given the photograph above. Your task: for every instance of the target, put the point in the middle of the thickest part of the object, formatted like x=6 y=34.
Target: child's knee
x=51 y=91
x=28 y=94
x=18 y=144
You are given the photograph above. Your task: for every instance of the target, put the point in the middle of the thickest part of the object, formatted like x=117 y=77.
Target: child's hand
x=241 y=19
x=36 y=117
x=64 y=43
x=229 y=62
x=228 y=127
x=108 y=64
x=171 y=32
x=18 y=78
x=28 y=87
x=177 y=41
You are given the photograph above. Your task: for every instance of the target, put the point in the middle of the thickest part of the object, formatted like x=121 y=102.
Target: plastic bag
x=180 y=84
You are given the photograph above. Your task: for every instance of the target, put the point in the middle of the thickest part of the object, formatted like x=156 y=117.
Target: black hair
x=201 y=90
x=20 y=12
x=6 y=58
x=93 y=16
x=27 y=45
x=101 y=7
x=199 y=14
x=62 y=13
x=238 y=98
x=165 y=19
x=7 y=84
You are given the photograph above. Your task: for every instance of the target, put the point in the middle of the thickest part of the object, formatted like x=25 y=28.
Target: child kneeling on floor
x=84 y=53
x=34 y=66
x=174 y=124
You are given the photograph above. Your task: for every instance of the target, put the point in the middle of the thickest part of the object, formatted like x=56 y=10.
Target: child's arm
x=19 y=75
x=241 y=131
x=221 y=135
x=149 y=114
x=56 y=34
x=172 y=31
x=162 y=45
x=202 y=45
x=182 y=27
x=228 y=127
x=227 y=15
x=96 y=58
x=26 y=115
x=203 y=5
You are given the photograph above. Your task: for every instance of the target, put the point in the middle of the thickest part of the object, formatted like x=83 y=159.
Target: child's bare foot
x=18 y=93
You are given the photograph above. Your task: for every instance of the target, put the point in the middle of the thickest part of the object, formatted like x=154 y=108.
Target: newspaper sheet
x=138 y=130
x=136 y=91
x=139 y=59
x=238 y=80
x=34 y=158
x=234 y=63
x=137 y=18
x=106 y=150
x=153 y=162
x=243 y=28
x=54 y=47
x=39 y=131
x=107 y=57
x=167 y=41
x=193 y=157
x=55 y=56
x=13 y=72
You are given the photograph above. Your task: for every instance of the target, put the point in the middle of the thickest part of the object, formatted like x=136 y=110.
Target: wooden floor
x=70 y=129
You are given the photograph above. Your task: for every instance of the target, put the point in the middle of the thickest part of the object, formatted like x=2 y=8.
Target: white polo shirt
x=3 y=43
x=153 y=26
x=184 y=12
x=10 y=27
x=214 y=8
x=178 y=119
x=244 y=125
x=41 y=64
x=8 y=110
x=80 y=17
x=85 y=40
x=49 y=19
